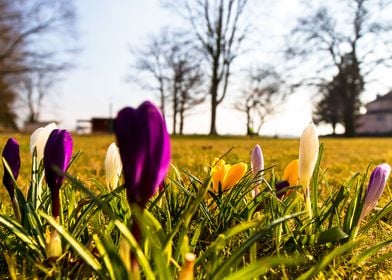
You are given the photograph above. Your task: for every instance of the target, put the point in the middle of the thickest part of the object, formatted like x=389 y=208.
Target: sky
x=98 y=87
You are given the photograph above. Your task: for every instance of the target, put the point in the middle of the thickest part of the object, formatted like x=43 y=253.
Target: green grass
x=223 y=230
x=342 y=157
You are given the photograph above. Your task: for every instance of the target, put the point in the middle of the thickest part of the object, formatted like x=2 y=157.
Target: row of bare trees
x=188 y=67
x=348 y=39
x=32 y=55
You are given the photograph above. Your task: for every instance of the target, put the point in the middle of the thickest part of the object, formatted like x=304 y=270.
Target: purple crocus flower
x=12 y=157
x=144 y=145
x=376 y=186
x=280 y=186
x=57 y=153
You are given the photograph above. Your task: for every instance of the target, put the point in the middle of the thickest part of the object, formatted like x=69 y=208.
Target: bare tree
x=33 y=89
x=36 y=36
x=354 y=31
x=173 y=70
x=186 y=80
x=29 y=30
x=150 y=59
x=220 y=27
x=262 y=96
x=7 y=99
x=191 y=92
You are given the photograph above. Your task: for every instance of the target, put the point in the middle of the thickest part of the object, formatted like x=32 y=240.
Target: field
x=342 y=159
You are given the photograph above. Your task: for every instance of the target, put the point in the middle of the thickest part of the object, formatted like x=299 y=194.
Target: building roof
x=384 y=97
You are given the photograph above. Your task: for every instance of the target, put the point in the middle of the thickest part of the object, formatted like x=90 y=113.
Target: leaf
x=330 y=235
x=19 y=232
x=327 y=259
x=262 y=266
x=111 y=258
x=136 y=249
x=78 y=247
x=369 y=252
x=236 y=256
x=315 y=183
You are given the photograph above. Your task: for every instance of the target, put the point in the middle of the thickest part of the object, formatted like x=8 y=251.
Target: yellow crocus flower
x=226 y=175
x=290 y=173
x=234 y=175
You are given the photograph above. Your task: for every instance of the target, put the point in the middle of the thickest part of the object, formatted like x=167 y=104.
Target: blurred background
x=244 y=67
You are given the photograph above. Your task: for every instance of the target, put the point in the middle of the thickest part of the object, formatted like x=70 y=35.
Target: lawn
x=342 y=159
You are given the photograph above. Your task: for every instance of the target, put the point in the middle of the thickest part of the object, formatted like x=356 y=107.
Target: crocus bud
x=290 y=173
x=186 y=272
x=308 y=153
x=38 y=139
x=256 y=164
x=53 y=245
x=12 y=157
x=113 y=166
x=144 y=145
x=376 y=186
x=257 y=160
x=57 y=154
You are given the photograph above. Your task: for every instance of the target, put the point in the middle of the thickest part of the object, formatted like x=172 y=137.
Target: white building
x=378 y=117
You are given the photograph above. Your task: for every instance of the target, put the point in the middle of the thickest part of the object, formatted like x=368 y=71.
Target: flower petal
x=290 y=173
x=144 y=145
x=234 y=175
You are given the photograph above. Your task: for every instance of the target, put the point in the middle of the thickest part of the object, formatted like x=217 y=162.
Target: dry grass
x=342 y=157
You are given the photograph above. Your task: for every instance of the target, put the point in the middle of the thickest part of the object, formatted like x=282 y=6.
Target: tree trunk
x=248 y=122
x=182 y=121
x=175 y=106
x=175 y=111
x=162 y=97
x=214 y=96
x=213 y=117
x=333 y=124
x=349 y=120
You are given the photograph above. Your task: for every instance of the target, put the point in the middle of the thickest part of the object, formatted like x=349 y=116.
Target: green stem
x=134 y=262
x=15 y=206
x=308 y=203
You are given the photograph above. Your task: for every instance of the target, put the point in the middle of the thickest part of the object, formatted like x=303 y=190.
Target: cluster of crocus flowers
x=308 y=154
x=11 y=157
x=257 y=165
x=225 y=176
x=289 y=179
x=57 y=156
x=113 y=166
x=38 y=141
x=376 y=186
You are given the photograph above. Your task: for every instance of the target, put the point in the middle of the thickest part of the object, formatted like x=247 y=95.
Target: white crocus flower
x=308 y=153
x=38 y=139
x=113 y=166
